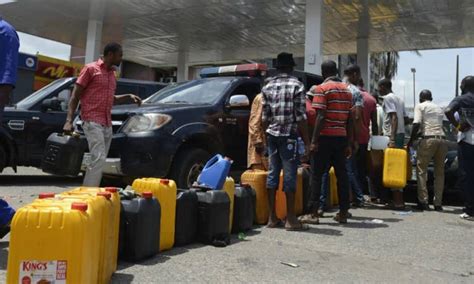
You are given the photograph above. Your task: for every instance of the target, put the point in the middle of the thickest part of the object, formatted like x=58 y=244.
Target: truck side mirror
x=237 y=101
x=51 y=104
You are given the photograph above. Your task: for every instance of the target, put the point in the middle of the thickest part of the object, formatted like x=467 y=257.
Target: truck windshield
x=202 y=91
x=41 y=94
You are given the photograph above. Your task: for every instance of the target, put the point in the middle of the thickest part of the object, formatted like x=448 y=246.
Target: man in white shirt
x=464 y=105
x=394 y=128
x=429 y=121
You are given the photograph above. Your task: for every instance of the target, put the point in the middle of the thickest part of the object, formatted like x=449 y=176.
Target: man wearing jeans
x=284 y=116
x=332 y=140
x=464 y=105
x=95 y=89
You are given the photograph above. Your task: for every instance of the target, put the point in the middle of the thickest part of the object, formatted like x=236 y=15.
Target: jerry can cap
x=165 y=181
x=147 y=195
x=81 y=206
x=107 y=195
x=111 y=189
x=44 y=195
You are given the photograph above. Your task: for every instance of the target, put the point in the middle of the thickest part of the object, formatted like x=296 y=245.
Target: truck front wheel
x=187 y=166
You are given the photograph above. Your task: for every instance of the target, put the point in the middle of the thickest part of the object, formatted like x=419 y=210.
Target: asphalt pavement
x=376 y=246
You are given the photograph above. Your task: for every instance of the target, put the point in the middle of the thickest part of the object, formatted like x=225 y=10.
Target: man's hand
x=305 y=157
x=259 y=148
x=391 y=144
x=356 y=147
x=348 y=152
x=313 y=148
x=68 y=127
x=464 y=127
x=136 y=99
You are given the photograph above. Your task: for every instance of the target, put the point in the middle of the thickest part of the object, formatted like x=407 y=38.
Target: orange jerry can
x=113 y=224
x=257 y=179
x=55 y=241
x=280 y=199
x=165 y=191
x=395 y=168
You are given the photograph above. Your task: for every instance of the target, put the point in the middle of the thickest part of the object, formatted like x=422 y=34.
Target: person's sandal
x=299 y=228
x=309 y=219
x=277 y=224
x=341 y=218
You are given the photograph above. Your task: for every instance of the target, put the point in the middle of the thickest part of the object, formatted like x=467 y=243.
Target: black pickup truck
x=179 y=128
x=27 y=125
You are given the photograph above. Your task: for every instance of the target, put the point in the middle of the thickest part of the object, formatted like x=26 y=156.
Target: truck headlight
x=145 y=122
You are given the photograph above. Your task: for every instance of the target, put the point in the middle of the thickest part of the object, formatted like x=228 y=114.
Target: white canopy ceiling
x=154 y=31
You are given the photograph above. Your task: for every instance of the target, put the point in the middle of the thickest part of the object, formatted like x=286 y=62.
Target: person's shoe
x=438 y=208
x=423 y=207
x=341 y=218
x=358 y=204
x=309 y=219
x=467 y=217
x=321 y=213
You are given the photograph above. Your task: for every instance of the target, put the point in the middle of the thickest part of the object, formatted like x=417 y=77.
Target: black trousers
x=331 y=151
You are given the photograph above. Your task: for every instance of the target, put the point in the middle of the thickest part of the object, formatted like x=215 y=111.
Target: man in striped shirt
x=332 y=139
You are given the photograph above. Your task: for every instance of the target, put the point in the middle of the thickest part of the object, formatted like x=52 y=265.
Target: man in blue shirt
x=9 y=45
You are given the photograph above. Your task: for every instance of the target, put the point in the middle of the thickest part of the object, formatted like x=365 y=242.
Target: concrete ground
x=428 y=247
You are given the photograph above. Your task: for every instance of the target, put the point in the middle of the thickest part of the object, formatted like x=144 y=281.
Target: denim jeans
x=466 y=165
x=283 y=154
x=331 y=150
x=353 y=180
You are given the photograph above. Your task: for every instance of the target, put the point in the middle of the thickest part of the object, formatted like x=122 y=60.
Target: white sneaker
x=466 y=216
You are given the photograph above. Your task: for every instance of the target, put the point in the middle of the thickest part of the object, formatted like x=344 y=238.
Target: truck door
x=236 y=119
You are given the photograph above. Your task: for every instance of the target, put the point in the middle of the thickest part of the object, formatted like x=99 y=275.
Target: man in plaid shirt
x=95 y=89
x=284 y=117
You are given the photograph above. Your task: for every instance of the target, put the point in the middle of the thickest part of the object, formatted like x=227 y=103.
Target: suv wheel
x=187 y=166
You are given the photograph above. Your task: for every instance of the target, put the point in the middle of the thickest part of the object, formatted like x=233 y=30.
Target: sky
x=435 y=69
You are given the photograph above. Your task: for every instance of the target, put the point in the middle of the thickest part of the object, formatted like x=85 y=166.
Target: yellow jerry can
x=333 y=187
x=165 y=191
x=395 y=168
x=229 y=187
x=257 y=179
x=55 y=241
x=114 y=224
x=280 y=198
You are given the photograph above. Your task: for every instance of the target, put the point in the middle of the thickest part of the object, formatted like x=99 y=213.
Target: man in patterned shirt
x=332 y=139
x=95 y=89
x=284 y=116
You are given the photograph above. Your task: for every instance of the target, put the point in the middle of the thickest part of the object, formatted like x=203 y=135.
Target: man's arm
x=357 y=123
x=414 y=133
x=73 y=103
x=350 y=135
x=374 y=121
x=321 y=115
x=394 y=127
x=123 y=99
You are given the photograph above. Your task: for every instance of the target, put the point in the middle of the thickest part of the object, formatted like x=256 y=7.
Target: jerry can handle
x=212 y=161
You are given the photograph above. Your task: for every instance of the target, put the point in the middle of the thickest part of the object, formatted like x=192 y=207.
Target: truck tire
x=187 y=166
x=3 y=158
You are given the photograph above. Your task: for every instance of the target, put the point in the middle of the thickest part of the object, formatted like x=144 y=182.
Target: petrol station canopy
x=155 y=32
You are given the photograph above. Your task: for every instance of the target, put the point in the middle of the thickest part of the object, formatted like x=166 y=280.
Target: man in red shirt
x=95 y=89
x=369 y=116
x=332 y=139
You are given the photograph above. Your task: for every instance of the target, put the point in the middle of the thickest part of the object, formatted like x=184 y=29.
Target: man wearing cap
x=284 y=116
x=429 y=120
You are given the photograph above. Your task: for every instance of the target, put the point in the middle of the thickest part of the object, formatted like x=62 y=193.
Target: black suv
x=27 y=125
x=179 y=128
